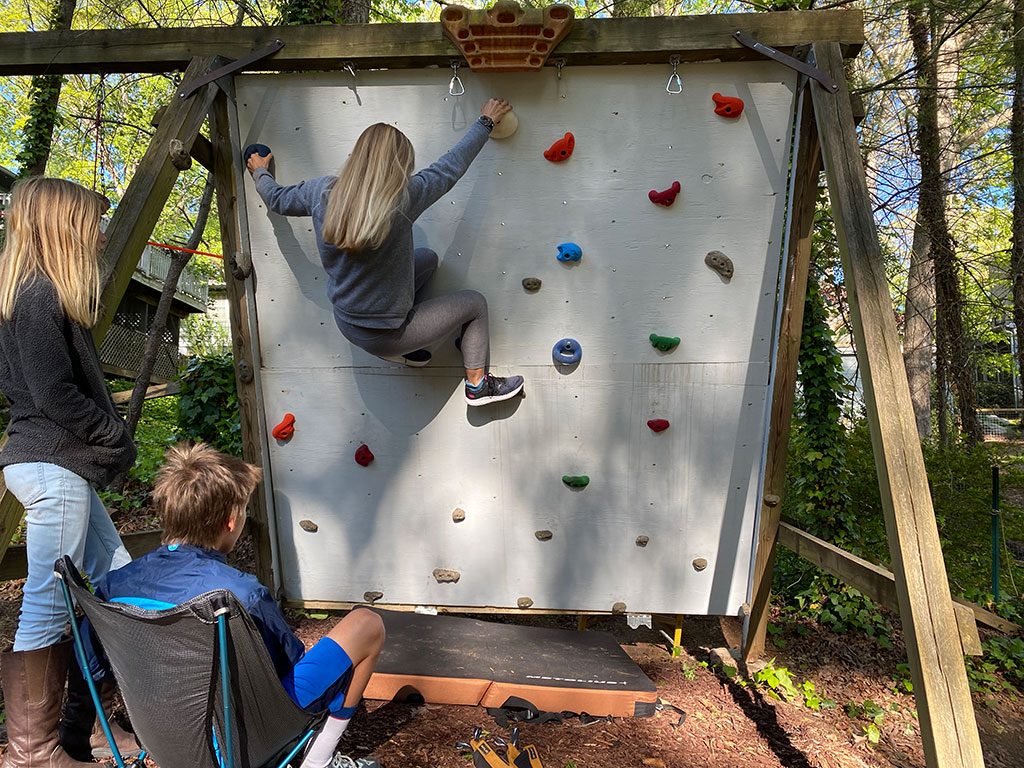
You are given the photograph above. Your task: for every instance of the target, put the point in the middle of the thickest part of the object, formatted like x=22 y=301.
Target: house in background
x=7 y=178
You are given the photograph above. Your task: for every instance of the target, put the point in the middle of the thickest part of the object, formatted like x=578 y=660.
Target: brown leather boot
x=81 y=734
x=33 y=683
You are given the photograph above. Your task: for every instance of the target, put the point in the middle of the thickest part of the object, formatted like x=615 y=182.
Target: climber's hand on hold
x=495 y=109
x=255 y=161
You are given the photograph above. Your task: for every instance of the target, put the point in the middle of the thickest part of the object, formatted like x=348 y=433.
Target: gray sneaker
x=344 y=761
x=494 y=389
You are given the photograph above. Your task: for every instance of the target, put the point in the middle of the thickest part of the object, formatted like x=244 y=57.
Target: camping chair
x=196 y=678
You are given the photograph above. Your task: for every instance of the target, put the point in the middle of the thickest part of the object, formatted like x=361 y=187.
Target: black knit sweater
x=61 y=410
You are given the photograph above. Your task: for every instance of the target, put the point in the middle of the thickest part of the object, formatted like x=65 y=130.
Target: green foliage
x=1000 y=668
x=208 y=409
x=780 y=685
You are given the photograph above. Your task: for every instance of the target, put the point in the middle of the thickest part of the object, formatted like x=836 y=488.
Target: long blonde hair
x=368 y=189
x=53 y=229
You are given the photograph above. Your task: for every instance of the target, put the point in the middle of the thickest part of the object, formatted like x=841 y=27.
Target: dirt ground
x=729 y=724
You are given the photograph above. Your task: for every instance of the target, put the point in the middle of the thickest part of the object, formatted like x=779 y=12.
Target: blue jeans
x=64 y=516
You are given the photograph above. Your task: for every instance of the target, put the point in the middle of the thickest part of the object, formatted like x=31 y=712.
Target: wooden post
x=244 y=338
x=807 y=169
x=130 y=228
x=948 y=727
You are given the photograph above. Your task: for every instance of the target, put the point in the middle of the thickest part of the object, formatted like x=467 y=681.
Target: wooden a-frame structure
x=938 y=631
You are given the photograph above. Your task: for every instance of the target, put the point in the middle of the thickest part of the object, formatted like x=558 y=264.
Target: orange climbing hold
x=364 y=455
x=561 y=149
x=285 y=429
x=728 y=106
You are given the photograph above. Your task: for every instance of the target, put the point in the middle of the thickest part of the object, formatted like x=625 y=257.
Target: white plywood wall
x=692 y=490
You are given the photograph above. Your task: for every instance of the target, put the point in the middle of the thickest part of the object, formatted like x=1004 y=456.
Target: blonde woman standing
x=65 y=438
x=375 y=276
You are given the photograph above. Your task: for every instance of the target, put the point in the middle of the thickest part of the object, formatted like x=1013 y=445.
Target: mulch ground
x=729 y=723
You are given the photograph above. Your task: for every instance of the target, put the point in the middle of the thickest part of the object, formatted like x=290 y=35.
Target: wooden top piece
x=507 y=37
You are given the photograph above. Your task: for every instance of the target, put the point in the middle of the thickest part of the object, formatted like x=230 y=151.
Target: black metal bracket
x=230 y=68
x=803 y=68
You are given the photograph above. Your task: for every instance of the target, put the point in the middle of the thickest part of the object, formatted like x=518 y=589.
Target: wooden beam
x=948 y=728
x=15 y=562
x=244 y=343
x=158 y=390
x=591 y=41
x=806 y=172
x=202 y=150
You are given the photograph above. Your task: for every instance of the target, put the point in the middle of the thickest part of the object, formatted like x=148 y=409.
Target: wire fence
x=1002 y=425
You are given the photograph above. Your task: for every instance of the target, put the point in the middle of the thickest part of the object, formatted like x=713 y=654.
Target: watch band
x=486 y=122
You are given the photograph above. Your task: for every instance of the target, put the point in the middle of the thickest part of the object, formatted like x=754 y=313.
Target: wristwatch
x=486 y=122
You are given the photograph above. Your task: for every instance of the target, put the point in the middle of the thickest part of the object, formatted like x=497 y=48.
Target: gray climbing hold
x=619 y=607
x=719 y=262
x=309 y=525
x=531 y=283
x=699 y=564
x=524 y=602
x=372 y=597
x=458 y=515
x=444 y=576
x=542 y=535
x=641 y=541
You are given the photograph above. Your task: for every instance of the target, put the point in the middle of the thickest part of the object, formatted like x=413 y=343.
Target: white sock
x=322 y=749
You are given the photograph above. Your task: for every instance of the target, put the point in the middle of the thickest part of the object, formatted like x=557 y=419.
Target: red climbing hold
x=728 y=106
x=658 y=425
x=561 y=149
x=285 y=429
x=667 y=197
x=364 y=455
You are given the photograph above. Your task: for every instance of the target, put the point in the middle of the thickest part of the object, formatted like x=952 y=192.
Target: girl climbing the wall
x=65 y=438
x=375 y=277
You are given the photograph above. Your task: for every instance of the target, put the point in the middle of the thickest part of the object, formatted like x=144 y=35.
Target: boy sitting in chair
x=200 y=496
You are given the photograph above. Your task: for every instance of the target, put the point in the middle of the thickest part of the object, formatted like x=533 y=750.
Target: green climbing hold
x=576 y=481
x=664 y=343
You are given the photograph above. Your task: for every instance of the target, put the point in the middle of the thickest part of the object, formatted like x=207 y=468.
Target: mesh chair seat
x=167 y=664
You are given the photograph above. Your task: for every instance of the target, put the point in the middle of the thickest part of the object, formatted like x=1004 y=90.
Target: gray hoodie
x=374 y=288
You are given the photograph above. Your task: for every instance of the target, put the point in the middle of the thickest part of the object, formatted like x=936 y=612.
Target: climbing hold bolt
x=641 y=541
x=561 y=149
x=576 y=481
x=372 y=597
x=364 y=455
x=458 y=515
x=309 y=525
x=260 y=149
x=699 y=564
x=664 y=343
x=542 y=535
x=567 y=352
x=666 y=197
x=719 y=262
x=569 y=252
x=285 y=429
x=531 y=283
x=727 y=106
x=524 y=602
x=619 y=607
x=444 y=576
x=658 y=425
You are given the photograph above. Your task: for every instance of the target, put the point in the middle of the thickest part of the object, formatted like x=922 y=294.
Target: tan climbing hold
x=458 y=515
x=699 y=564
x=641 y=541
x=507 y=37
x=524 y=602
x=309 y=525
x=445 y=576
x=719 y=262
x=372 y=597
x=542 y=535
x=619 y=607
x=508 y=125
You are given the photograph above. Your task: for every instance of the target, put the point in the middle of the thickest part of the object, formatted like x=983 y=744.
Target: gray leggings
x=429 y=321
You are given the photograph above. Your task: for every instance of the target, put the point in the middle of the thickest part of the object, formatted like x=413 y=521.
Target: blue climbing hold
x=567 y=352
x=569 y=252
x=260 y=149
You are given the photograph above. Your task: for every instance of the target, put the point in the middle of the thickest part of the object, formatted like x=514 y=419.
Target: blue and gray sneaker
x=493 y=389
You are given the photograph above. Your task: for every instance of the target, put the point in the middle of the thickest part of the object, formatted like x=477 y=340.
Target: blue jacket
x=180 y=572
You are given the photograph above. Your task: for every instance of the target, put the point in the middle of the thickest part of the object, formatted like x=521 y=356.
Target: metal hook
x=559 y=65
x=675 y=84
x=350 y=67
x=455 y=87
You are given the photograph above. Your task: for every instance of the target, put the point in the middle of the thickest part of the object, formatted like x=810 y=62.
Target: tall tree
x=324 y=11
x=1017 y=152
x=44 y=97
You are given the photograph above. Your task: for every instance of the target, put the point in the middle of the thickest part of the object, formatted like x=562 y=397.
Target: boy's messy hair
x=198 y=490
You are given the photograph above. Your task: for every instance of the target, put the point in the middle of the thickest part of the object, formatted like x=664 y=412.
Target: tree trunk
x=953 y=364
x=44 y=96
x=1017 y=152
x=324 y=11
x=179 y=260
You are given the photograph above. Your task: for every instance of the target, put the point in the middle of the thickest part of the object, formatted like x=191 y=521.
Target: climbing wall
x=667 y=521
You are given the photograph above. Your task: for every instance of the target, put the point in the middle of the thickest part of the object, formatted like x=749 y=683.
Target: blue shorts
x=320 y=679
